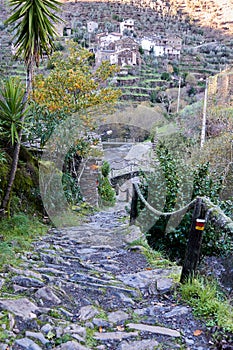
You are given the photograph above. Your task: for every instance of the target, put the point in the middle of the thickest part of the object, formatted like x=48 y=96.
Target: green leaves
x=12 y=108
x=172 y=185
x=34 y=25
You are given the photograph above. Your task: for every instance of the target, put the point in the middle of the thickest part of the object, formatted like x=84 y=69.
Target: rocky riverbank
x=86 y=287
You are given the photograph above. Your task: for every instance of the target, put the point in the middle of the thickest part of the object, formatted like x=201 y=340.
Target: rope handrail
x=131 y=161
x=158 y=212
x=213 y=212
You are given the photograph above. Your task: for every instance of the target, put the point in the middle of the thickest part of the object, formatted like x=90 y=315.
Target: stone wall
x=89 y=181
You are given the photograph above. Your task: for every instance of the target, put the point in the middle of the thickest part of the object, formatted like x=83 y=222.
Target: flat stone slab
x=27 y=344
x=164 y=285
x=115 y=335
x=27 y=282
x=154 y=329
x=71 y=345
x=87 y=312
x=118 y=316
x=143 y=278
x=21 y=307
x=147 y=344
x=177 y=311
x=47 y=294
x=38 y=336
x=75 y=328
x=133 y=234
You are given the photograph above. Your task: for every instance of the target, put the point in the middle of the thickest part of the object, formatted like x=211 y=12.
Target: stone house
x=126 y=43
x=105 y=55
x=128 y=57
x=122 y=57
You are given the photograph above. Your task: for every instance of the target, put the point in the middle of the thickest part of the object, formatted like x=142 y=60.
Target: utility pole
x=203 y=129
x=178 y=99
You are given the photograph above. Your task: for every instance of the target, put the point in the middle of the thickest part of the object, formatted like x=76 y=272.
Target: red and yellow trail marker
x=200 y=224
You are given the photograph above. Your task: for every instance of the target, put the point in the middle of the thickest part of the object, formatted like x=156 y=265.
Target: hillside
x=215 y=14
x=204 y=26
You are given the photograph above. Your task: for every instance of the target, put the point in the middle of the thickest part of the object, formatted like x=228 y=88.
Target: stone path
x=86 y=288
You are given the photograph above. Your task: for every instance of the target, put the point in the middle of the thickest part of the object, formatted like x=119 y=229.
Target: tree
x=12 y=111
x=73 y=86
x=33 y=23
x=73 y=91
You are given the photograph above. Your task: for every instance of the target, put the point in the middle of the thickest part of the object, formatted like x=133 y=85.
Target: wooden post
x=134 y=209
x=127 y=195
x=193 y=249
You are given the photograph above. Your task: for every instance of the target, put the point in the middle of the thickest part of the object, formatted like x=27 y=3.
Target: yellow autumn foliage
x=74 y=85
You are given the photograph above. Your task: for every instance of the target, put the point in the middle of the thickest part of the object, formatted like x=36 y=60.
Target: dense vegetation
x=171 y=187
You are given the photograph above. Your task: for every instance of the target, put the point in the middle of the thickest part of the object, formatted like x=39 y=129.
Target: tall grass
x=16 y=235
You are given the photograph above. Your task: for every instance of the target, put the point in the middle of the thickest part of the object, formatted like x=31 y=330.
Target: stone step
x=70 y=294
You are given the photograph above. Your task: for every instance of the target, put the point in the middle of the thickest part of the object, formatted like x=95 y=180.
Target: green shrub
x=208 y=302
x=166 y=76
x=105 y=169
x=173 y=180
x=105 y=190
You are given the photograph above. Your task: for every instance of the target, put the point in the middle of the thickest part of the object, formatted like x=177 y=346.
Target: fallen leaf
x=148 y=268
x=94 y=167
x=100 y=329
x=197 y=332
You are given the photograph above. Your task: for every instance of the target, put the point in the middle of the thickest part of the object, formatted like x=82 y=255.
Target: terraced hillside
x=205 y=27
x=215 y=14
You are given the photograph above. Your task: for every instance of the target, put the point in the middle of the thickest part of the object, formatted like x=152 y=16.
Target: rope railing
x=203 y=211
x=212 y=210
x=134 y=161
x=160 y=213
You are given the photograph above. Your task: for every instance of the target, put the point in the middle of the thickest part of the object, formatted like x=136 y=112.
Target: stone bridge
x=119 y=180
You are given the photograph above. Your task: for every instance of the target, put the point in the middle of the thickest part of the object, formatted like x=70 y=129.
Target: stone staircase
x=87 y=287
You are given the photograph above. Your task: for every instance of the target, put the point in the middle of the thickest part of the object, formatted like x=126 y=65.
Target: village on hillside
x=123 y=47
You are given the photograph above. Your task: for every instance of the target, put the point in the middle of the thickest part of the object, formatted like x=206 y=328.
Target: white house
x=92 y=26
x=151 y=45
x=127 y=24
x=146 y=44
x=169 y=45
x=158 y=50
x=103 y=40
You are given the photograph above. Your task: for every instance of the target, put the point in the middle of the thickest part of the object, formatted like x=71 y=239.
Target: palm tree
x=34 y=25
x=12 y=109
